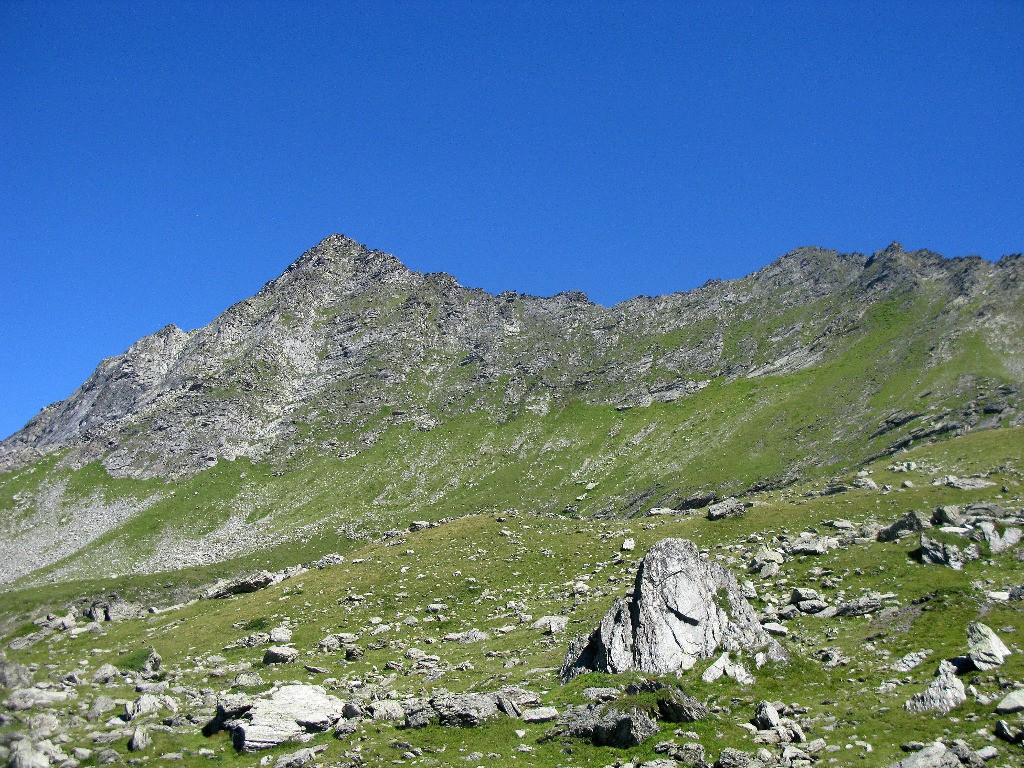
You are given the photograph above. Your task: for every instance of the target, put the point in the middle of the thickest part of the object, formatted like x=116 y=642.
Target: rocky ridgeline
x=346 y=329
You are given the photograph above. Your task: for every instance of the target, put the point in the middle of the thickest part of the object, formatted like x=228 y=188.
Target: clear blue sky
x=161 y=160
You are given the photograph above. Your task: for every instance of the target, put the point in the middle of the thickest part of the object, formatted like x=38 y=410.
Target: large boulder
x=935 y=552
x=25 y=755
x=935 y=755
x=910 y=523
x=944 y=694
x=683 y=608
x=731 y=507
x=986 y=650
x=607 y=726
x=290 y=711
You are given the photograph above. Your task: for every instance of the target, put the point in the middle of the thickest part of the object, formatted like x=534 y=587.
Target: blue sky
x=159 y=161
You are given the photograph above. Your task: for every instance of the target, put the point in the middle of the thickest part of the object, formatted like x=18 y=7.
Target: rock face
x=683 y=609
x=290 y=712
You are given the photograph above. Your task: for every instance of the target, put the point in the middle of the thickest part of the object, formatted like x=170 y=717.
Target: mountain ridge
x=340 y=270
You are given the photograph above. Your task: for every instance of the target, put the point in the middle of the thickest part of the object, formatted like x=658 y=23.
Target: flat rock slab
x=289 y=712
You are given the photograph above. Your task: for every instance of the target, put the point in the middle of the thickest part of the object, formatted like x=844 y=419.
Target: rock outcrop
x=683 y=609
x=288 y=713
x=944 y=694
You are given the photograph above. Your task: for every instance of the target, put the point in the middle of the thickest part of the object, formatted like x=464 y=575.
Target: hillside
x=351 y=395
x=370 y=516
x=454 y=612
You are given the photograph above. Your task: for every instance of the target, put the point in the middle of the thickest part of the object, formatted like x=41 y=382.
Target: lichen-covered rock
x=933 y=756
x=14 y=675
x=986 y=650
x=288 y=713
x=683 y=608
x=944 y=694
x=912 y=522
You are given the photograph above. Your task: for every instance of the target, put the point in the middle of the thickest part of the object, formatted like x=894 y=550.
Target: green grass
x=478 y=563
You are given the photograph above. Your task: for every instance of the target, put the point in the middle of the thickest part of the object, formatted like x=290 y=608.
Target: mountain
x=351 y=392
x=370 y=517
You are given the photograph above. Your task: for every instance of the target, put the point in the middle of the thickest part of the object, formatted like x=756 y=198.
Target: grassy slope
x=477 y=564
x=726 y=437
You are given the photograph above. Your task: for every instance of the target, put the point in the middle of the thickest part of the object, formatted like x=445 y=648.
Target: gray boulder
x=860 y=606
x=22 y=699
x=280 y=654
x=242 y=585
x=145 y=704
x=944 y=694
x=300 y=758
x=14 y=675
x=986 y=650
x=288 y=713
x=936 y=552
x=25 y=755
x=106 y=673
x=1012 y=702
x=765 y=716
x=912 y=522
x=467 y=710
x=730 y=507
x=387 y=710
x=684 y=608
x=735 y=758
x=933 y=756
x=999 y=543
x=948 y=515
x=140 y=740
x=539 y=715
x=623 y=729
x=608 y=726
